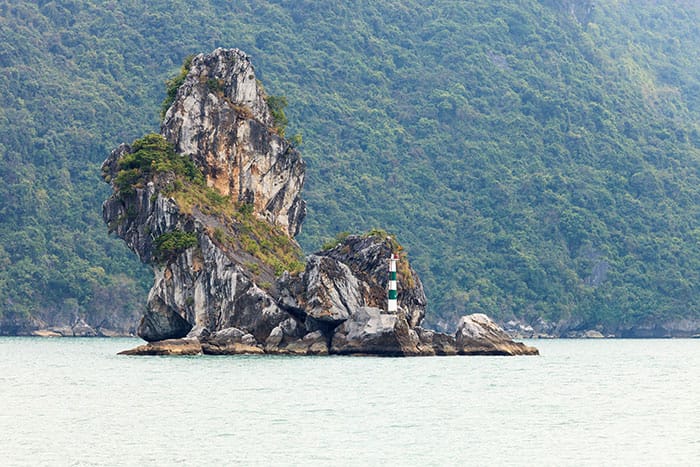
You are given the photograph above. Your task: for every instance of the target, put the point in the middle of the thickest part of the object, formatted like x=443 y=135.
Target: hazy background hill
x=536 y=158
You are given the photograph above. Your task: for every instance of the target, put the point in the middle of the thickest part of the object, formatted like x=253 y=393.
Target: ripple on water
x=74 y=402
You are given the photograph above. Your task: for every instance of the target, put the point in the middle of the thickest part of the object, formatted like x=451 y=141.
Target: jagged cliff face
x=211 y=288
x=220 y=119
x=367 y=259
x=343 y=293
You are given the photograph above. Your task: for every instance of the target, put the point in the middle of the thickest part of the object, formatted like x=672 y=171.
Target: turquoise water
x=582 y=402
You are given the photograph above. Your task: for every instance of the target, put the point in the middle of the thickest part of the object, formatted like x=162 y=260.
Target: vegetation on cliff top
x=239 y=228
x=538 y=159
x=153 y=155
x=150 y=155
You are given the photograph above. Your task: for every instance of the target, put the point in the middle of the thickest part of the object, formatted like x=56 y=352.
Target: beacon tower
x=392 y=303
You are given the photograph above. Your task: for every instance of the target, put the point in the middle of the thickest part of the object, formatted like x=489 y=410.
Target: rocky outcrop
x=167 y=347
x=370 y=331
x=477 y=334
x=229 y=341
x=212 y=293
x=220 y=119
x=574 y=328
x=367 y=259
x=435 y=343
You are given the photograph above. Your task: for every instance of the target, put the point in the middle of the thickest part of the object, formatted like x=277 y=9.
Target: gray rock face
x=221 y=120
x=370 y=331
x=80 y=328
x=208 y=298
x=367 y=258
x=343 y=293
x=331 y=292
x=230 y=341
x=160 y=322
x=679 y=327
x=593 y=334
x=477 y=334
x=167 y=347
x=290 y=337
x=435 y=343
x=140 y=217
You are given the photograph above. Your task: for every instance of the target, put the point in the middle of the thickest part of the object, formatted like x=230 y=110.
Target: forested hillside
x=536 y=158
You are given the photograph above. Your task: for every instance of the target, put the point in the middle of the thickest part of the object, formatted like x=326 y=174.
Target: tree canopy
x=535 y=158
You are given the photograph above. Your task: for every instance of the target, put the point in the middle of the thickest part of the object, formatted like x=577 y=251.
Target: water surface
x=582 y=402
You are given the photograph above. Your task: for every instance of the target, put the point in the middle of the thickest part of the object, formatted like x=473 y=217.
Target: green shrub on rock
x=150 y=155
x=173 y=243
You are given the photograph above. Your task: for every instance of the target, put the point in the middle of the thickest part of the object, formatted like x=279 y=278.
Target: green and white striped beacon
x=392 y=303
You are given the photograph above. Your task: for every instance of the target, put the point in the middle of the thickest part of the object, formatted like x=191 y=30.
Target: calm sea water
x=582 y=402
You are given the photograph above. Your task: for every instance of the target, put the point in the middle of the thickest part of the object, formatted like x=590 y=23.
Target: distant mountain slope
x=538 y=160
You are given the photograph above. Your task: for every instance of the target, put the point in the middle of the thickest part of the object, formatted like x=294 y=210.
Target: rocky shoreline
x=476 y=335
x=79 y=328
x=670 y=328
x=71 y=332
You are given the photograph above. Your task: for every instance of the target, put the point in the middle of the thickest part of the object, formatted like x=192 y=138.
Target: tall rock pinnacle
x=220 y=118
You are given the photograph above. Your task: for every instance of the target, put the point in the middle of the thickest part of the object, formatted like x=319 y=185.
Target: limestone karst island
x=213 y=204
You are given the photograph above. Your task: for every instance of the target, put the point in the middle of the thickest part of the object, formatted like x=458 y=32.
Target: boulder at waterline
x=167 y=347
x=477 y=334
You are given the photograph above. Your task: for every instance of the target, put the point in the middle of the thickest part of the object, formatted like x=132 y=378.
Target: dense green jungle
x=538 y=159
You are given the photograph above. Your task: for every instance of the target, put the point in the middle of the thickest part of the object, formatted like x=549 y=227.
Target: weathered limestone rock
x=435 y=343
x=78 y=329
x=373 y=332
x=230 y=341
x=64 y=331
x=289 y=338
x=161 y=323
x=105 y=332
x=167 y=347
x=678 y=327
x=331 y=292
x=230 y=348
x=45 y=333
x=220 y=118
x=313 y=343
x=477 y=334
x=140 y=217
x=366 y=256
x=519 y=329
x=83 y=329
